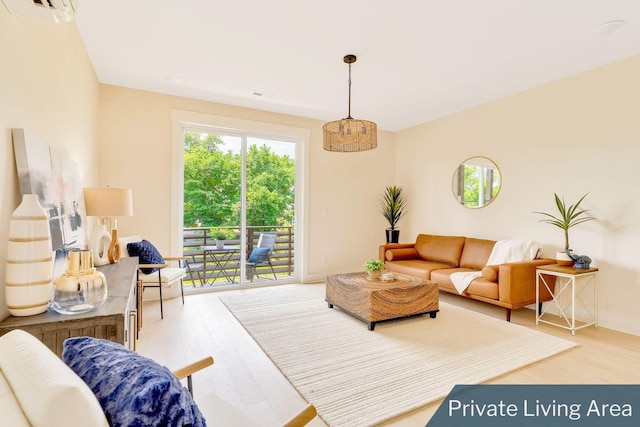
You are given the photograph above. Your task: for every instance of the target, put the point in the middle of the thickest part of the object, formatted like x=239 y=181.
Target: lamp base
x=114 y=248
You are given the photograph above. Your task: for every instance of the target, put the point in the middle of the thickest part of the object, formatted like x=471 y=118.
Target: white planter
x=563 y=259
x=29 y=273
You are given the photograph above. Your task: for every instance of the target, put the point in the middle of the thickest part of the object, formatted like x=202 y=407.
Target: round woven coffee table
x=375 y=301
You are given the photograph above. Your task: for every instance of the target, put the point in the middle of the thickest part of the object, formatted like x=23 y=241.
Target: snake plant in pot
x=393 y=206
x=568 y=217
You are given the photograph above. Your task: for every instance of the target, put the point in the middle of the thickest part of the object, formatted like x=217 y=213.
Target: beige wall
x=135 y=152
x=48 y=87
x=573 y=136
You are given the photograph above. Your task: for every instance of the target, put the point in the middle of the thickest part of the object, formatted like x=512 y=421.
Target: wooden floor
x=246 y=377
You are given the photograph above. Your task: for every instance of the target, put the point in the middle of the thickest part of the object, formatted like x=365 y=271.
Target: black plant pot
x=393 y=235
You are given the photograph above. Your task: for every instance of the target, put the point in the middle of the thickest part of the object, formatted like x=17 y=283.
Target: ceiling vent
x=57 y=11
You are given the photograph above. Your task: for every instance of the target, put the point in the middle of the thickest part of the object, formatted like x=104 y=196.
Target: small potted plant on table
x=221 y=235
x=374 y=268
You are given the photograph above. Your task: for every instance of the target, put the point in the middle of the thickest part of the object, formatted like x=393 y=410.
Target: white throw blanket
x=510 y=250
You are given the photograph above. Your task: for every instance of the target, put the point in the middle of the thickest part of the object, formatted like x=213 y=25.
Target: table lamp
x=107 y=203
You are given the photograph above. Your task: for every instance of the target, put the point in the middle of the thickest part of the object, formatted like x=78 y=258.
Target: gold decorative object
x=81 y=288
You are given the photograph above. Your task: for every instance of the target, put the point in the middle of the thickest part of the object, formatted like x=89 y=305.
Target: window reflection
x=476 y=182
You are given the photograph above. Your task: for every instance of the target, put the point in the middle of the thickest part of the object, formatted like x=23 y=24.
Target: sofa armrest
x=383 y=248
x=517 y=282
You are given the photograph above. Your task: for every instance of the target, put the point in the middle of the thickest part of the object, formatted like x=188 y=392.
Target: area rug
x=356 y=377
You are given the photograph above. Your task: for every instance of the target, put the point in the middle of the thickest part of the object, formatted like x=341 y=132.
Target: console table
x=116 y=320
x=568 y=278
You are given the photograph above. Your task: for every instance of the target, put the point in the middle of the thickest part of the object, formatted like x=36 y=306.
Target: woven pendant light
x=350 y=135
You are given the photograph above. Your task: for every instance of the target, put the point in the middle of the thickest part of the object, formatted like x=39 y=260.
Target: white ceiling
x=417 y=60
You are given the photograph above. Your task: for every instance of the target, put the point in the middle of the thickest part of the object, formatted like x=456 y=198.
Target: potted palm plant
x=568 y=217
x=393 y=205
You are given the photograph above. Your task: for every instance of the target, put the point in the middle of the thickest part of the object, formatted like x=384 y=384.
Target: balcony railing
x=228 y=272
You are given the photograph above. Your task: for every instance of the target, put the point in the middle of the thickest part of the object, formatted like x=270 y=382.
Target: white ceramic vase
x=29 y=273
x=563 y=259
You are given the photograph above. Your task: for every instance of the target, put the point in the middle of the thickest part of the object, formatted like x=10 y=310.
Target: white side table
x=567 y=280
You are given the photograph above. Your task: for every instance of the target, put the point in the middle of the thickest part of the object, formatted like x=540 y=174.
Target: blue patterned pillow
x=147 y=253
x=258 y=255
x=132 y=390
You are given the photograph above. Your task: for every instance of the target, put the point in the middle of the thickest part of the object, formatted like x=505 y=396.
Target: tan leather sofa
x=510 y=285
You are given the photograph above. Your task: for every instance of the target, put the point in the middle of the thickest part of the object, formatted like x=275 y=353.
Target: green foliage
x=393 y=205
x=569 y=217
x=373 y=265
x=212 y=184
x=471 y=196
x=270 y=187
x=221 y=234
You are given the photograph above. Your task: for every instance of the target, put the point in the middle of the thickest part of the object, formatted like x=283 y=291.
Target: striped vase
x=29 y=276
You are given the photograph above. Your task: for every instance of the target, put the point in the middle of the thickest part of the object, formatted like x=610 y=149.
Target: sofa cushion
x=167 y=275
x=258 y=255
x=483 y=288
x=443 y=249
x=147 y=254
x=12 y=414
x=490 y=272
x=402 y=253
x=132 y=389
x=49 y=393
x=124 y=242
x=480 y=286
x=475 y=253
x=415 y=267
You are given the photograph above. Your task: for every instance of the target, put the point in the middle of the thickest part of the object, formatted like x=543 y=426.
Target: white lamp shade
x=108 y=202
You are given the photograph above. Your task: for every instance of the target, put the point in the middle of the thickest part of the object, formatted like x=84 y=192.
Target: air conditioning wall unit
x=57 y=11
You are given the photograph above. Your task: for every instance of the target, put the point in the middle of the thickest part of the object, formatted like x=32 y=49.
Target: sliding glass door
x=239 y=208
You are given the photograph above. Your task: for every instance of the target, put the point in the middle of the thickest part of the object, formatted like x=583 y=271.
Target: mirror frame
x=457 y=186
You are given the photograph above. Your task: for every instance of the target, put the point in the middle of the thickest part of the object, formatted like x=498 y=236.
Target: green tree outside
x=472 y=175
x=212 y=184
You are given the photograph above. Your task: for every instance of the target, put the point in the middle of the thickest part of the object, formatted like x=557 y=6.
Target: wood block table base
x=373 y=301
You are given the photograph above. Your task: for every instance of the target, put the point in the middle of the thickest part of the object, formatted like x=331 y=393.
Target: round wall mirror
x=476 y=182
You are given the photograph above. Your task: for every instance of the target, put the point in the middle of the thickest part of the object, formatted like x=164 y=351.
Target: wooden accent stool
x=375 y=301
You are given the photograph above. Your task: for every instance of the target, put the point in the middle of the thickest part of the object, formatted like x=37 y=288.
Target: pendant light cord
x=349 y=116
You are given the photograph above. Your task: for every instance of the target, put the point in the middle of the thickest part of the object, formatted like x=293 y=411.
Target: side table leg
x=371 y=325
x=538 y=304
x=573 y=306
